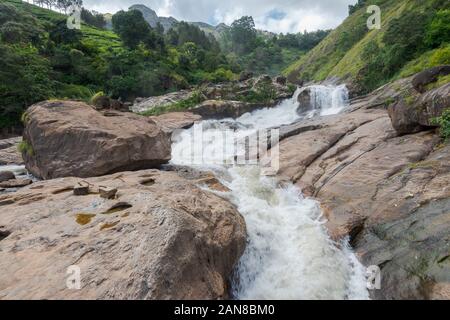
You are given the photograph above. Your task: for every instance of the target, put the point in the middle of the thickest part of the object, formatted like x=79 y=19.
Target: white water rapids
x=289 y=254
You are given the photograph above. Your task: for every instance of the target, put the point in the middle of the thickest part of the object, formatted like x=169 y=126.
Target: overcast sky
x=272 y=15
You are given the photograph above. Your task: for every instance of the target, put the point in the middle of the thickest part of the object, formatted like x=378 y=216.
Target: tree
x=438 y=31
x=243 y=35
x=93 y=18
x=132 y=28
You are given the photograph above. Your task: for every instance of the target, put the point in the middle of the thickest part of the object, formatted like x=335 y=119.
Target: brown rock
x=165 y=240
x=146 y=104
x=219 y=109
x=9 y=151
x=68 y=138
x=6 y=175
x=415 y=113
x=172 y=121
x=422 y=79
x=107 y=193
x=81 y=189
x=15 y=183
x=304 y=100
x=388 y=193
x=102 y=102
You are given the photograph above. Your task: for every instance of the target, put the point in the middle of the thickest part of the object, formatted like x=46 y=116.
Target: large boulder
x=162 y=237
x=416 y=112
x=68 y=138
x=422 y=79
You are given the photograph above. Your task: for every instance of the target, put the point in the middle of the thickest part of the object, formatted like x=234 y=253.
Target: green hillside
x=414 y=36
x=40 y=58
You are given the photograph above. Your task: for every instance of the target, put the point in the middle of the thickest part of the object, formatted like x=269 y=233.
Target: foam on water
x=289 y=254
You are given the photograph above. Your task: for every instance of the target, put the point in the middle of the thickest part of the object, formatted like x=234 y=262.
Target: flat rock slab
x=162 y=238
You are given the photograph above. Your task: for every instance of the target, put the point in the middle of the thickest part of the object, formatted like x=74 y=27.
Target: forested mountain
x=414 y=35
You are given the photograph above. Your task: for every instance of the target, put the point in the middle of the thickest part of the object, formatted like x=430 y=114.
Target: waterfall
x=324 y=100
x=289 y=254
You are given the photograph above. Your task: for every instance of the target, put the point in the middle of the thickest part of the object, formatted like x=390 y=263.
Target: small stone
x=6 y=175
x=81 y=189
x=107 y=193
x=15 y=183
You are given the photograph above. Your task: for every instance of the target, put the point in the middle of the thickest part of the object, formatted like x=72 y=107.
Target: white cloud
x=299 y=14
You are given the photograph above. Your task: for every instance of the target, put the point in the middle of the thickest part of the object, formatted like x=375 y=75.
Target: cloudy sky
x=273 y=15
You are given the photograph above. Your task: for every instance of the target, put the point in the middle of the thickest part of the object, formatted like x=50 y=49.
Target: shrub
x=444 y=122
x=96 y=96
x=438 y=31
x=25 y=147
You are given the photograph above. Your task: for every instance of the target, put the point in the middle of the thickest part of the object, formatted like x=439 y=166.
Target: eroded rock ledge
x=389 y=192
x=160 y=238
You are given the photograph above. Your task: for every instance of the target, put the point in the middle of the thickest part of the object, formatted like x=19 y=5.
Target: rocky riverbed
x=379 y=170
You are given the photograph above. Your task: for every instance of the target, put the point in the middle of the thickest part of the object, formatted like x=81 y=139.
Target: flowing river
x=289 y=254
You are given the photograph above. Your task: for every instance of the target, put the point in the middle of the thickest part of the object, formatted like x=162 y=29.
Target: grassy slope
x=331 y=59
x=102 y=39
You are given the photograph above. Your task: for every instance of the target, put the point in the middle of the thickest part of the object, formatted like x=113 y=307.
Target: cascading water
x=289 y=254
x=326 y=100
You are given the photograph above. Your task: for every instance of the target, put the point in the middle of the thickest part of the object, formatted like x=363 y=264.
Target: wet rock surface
x=161 y=237
x=388 y=192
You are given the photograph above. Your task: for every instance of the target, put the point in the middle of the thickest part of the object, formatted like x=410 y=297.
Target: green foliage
x=442 y=80
x=96 y=96
x=25 y=148
x=243 y=35
x=265 y=93
x=444 y=122
x=302 y=41
x=93 y=18
x=353 y=8
x=25 y=78
x=425 y=61
x=133 y=29
x=73 y=91
x=412 y=32
x=438 y=31
x=40 y=58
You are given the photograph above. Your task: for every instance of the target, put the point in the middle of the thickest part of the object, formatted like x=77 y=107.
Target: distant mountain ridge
x=168 y=22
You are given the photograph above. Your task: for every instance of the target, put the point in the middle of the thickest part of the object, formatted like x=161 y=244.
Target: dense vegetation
x=262 y=53
x=40 y=58
x=414 y=36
